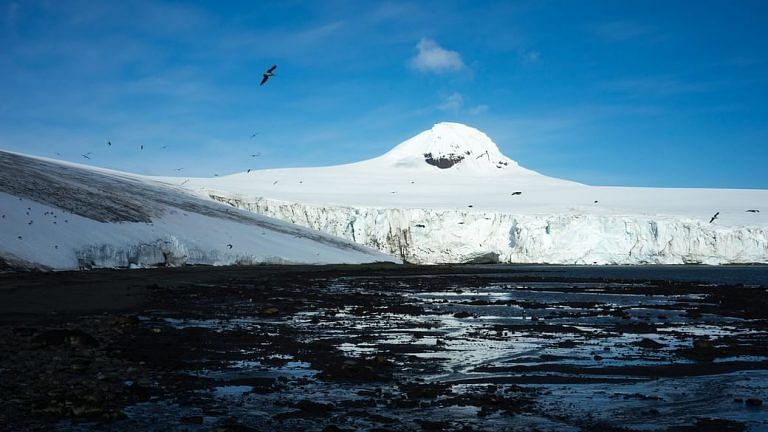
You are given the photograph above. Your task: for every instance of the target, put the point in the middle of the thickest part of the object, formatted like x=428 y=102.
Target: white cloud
x=431 y=57
x=452 y=102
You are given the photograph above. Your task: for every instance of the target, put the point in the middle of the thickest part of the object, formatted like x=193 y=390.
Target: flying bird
x=517 y=193
x=179 y=169
x=267 y=74
x=229 y=245
x=714 y=217
x=85 y=155
x=249 y=170
x=256 y=155
x=165 y=146
x=142 y=147
x=109 y=143
x=254 y=135
x=753 y=211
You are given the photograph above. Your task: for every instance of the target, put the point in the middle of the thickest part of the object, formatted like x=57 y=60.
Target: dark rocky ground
x=378 y=348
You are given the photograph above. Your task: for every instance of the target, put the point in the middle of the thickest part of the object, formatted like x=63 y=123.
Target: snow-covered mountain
x=449 y=195
x=57 y=215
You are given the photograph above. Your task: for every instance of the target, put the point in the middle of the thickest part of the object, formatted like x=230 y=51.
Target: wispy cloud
x=477 y=109
x=299 y=44
x=619 y=31
x=11 y=14
x=454 y=103
x=654 y=85
x=431 y=57
x=531 y=56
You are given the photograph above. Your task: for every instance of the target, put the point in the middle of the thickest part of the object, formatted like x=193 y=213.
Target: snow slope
x=449 y=195
x=56 y=215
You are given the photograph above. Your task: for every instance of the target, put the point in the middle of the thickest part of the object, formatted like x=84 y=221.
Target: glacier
x=430 y=236
x=448 y=195
x=63 y=216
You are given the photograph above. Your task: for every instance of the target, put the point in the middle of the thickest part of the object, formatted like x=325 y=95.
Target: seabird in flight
x=267 y=74
x=714 y=217
x=85 y=155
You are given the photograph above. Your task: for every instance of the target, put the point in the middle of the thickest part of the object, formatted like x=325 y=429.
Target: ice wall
x=453 y=236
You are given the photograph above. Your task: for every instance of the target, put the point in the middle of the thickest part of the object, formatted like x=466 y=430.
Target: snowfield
x=60 y=216
x=448 y=195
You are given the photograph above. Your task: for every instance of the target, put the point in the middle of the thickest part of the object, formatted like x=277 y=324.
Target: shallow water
x=520 y=348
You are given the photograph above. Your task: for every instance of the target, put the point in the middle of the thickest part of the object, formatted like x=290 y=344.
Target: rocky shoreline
x=377 y=348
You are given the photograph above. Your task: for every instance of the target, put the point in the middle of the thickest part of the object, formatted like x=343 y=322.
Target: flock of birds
x=87 y=155
x=269 y=73
x=265 y=77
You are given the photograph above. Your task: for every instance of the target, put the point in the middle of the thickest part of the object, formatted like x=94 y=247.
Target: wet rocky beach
x=384 y=348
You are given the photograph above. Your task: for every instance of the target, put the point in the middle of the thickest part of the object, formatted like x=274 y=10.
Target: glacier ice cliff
x=428 y=236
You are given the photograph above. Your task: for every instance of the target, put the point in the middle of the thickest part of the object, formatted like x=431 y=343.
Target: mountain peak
x=453 y=146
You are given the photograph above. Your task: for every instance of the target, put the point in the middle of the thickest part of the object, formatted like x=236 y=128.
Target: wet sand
x=465 y=348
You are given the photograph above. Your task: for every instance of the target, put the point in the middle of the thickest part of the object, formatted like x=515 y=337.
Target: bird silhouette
x=249 y=170
x=85 y=155
x=714 y=217
x=142 y=147
x=179 y=169
x=229 y=245
x=753 y=211
x=256 y=155
x=109 y=143
x=267 y=74
x=254 y=135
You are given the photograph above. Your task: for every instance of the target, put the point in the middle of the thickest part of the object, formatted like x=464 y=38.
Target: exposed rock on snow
x=443 y=162
x=66 y=216
x=466 y=201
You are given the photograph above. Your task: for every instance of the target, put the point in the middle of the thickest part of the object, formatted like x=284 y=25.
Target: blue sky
x=646 y=93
